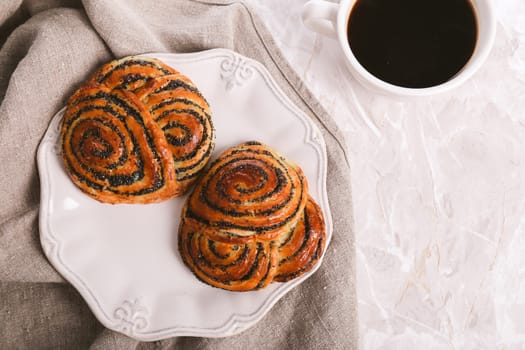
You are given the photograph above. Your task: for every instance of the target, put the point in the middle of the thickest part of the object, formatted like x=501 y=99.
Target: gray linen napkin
x=48 y=48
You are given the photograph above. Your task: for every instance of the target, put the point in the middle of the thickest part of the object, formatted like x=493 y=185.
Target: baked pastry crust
x=137 y=131
x=251 y=192
x=250 y=221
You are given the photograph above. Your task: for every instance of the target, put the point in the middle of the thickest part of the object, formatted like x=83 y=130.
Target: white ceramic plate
x=123 y=259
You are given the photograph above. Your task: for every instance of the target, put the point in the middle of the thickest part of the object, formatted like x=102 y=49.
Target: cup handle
x=321 y=16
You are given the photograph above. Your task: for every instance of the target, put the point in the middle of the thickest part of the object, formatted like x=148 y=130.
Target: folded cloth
x=48 y=48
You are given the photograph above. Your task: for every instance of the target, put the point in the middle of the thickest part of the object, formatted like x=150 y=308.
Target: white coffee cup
x=331 y=19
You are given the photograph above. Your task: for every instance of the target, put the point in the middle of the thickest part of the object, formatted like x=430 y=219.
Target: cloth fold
x=46 y=52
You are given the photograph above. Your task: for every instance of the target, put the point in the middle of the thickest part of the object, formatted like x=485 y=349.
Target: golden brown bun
x=250 y=221
x=137 y=131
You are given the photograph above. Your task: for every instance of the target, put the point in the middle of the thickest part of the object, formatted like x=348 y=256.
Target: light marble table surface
x=438 y=190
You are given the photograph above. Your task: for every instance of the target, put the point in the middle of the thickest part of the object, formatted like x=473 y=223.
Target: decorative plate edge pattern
x=235 y=70
x=131 y=317
x=237 y=323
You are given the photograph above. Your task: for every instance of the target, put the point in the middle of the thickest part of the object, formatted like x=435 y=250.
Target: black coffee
x=413 y=43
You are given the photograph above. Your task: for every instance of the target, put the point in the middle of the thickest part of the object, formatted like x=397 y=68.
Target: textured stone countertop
x=438 y=192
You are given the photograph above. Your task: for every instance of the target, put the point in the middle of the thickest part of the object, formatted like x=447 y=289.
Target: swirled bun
x=250 y=192
x=137 y=131
x=250 y=221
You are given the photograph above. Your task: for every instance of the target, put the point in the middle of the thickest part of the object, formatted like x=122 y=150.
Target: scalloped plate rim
x=236 y=323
